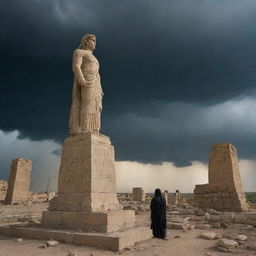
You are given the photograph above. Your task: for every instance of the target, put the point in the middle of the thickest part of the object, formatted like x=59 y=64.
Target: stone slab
x=112 y=241
x=89 y=221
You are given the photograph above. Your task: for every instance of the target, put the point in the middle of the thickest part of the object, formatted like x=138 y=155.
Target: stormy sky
x=178 y=75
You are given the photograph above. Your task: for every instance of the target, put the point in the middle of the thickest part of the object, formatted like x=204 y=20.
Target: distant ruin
x=19 y=181
x=138 y=194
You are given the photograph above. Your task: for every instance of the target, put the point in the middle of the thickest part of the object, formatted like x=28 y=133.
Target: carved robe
x=86 y=100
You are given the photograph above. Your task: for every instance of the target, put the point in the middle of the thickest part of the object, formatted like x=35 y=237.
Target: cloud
x=165 y=69
x=183 y=133
x=45 y=165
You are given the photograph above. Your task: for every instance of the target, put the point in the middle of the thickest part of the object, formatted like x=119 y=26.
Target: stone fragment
x=208 y=235
x=241 y=237
x=227 y=243
x=223 y=249
x=203 y=226
x=52 y=243
x=216 y=225
x=138 y=194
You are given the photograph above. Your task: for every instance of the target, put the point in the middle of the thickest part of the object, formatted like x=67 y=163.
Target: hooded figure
x=158 y=215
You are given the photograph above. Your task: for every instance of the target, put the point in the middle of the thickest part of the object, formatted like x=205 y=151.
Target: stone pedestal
x=87 y=181
x=19 y=181
x=224 y=191
x=86 y=197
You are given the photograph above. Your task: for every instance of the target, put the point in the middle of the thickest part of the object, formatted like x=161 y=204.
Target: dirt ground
x=179 y=243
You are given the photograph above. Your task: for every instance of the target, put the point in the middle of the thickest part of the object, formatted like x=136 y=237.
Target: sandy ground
x=186 y=244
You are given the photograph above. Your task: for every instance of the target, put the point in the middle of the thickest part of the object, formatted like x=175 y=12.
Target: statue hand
x=82 y=82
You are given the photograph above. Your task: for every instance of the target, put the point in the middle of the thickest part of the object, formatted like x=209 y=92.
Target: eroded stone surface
x=224 y=190
x=138 y=194
x=87 y=181
x=19 y=181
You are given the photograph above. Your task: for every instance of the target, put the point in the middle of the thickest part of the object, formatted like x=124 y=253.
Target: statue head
x=88 y=42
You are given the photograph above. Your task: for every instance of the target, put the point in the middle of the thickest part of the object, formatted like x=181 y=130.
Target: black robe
x=158 y=216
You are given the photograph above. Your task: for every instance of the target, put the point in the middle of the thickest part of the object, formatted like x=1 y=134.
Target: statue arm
x=76 y=67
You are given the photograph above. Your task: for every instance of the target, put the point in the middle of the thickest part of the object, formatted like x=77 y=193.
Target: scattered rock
x=223 y=249
x=208 y=235
x=213 y=212
x=226 y=243
x=241 y=237
x=19 y=240
x=208 y=254
x=52 y=243
x=177 y=237
x=200 y=212
x=204 y=226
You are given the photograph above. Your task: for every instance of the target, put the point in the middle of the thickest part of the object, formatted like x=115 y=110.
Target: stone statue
x=87 y=92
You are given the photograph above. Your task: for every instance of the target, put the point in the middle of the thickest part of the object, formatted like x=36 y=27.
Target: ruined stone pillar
x=19 y=181
x=138 y=194
x=224 y=190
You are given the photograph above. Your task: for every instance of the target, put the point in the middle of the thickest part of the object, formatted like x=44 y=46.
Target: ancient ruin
x=224 y=190
x=86 y=198
x=19 y=181
x=138 y=194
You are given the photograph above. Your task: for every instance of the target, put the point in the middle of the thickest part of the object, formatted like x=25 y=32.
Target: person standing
x=158 y=215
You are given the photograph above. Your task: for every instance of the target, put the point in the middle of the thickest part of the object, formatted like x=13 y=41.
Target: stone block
x=104 y=222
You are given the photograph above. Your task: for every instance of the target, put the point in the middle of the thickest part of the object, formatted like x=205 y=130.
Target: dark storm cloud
x=151 y=52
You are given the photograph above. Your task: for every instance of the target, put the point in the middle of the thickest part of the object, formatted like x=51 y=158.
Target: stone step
x=110 y=241
x=177 y=219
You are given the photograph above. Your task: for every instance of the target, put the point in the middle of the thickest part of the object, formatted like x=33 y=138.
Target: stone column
x=138 y=194
x=19 y=181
